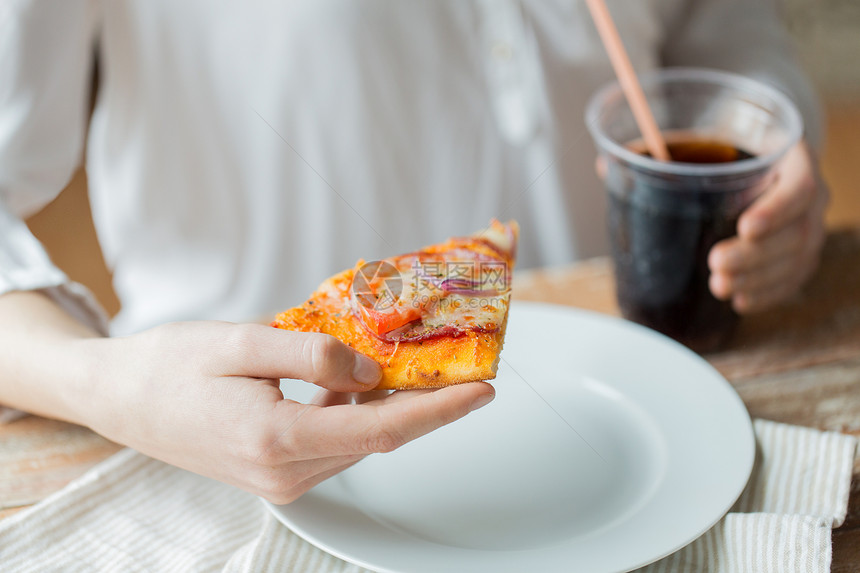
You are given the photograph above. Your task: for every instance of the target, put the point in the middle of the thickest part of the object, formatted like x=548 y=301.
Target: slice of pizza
x=431 y=318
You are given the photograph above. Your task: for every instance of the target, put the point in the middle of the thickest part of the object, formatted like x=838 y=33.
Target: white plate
x=607 y=447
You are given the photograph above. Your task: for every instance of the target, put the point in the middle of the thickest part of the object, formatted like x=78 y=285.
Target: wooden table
x=799 y=364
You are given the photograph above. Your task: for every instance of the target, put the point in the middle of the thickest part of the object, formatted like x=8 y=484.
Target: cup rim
x=699 y=75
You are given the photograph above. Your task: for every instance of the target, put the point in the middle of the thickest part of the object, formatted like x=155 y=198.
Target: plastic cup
x=664 y=217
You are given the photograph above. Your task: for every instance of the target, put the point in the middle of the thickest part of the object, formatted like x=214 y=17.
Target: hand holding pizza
x=205 y=396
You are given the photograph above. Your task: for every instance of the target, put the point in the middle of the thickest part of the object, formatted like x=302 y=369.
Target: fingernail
x=366 y=370
x=482 y=401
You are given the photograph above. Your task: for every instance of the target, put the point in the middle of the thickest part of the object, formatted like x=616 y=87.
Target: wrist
x=82 y=397
x=49 y=362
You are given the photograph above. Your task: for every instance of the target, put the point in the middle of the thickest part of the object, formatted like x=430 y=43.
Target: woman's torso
x=242 y=152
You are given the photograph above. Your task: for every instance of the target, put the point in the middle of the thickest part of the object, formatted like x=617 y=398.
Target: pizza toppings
x=447 y=290
x=382 y=322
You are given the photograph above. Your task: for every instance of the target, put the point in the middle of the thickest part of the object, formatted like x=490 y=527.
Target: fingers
x=285 y=484
x=326 y=398
x=736 y=256
x=303 y=487
x=773 y=280
x=317 y=442
x=266 y=352
x=766 y=277
x=775 y=283
x=369 y=396
x=791 y=195
x=748 y=302
x=392 y=397
x=382 y=427
x=405 y=416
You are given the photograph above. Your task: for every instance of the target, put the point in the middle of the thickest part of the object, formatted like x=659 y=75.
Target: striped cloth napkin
x=132 y=513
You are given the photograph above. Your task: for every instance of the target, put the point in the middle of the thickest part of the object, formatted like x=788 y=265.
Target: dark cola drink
x=726 y=135
x=662 y=231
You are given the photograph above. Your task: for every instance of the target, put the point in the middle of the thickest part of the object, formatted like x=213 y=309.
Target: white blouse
x=241 y=152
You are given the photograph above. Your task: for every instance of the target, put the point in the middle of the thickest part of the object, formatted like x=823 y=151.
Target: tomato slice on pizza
x=431 y=318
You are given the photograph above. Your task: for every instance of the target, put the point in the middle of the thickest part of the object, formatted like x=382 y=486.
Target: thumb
x=266 y=352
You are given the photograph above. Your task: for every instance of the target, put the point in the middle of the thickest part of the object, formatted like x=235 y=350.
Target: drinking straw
x=629 y=82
